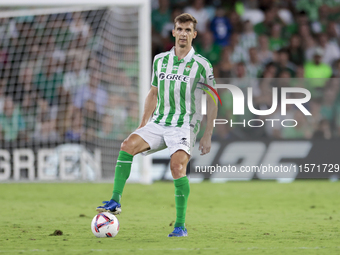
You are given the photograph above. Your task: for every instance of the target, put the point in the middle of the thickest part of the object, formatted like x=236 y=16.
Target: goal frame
x=144 y=47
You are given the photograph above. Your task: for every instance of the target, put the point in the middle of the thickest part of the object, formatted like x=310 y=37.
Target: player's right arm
x=151 y=99
x=149 y=105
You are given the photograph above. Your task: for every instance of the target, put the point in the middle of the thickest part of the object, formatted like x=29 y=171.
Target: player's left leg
x=178 y=166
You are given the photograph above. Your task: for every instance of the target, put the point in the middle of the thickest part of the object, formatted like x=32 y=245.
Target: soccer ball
x=105 y=225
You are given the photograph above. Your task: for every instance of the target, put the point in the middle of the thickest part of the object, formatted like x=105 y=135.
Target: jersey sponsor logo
x=211 y=77
x=174 y=77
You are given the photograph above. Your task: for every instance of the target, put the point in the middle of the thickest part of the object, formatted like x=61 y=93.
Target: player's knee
x=178 y=170
x=127 y=146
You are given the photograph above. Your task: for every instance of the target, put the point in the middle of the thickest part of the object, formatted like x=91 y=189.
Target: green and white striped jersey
x=179 y=96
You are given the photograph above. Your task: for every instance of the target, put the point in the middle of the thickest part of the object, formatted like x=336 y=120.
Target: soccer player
x=175 y=102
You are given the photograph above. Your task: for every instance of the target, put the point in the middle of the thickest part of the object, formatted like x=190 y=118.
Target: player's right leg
x=131 y=146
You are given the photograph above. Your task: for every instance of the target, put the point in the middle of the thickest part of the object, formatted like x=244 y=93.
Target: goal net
x=70 y=88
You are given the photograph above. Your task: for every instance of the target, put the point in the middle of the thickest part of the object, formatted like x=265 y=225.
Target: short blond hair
x=185 y=17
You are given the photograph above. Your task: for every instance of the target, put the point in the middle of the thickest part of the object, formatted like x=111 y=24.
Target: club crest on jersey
x=187 y=68
x=174 y=77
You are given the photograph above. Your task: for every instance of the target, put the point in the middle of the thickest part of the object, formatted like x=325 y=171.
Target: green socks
x=182 y=190
x=122 y=173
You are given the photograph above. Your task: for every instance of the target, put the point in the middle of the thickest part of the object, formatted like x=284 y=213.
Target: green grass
x=258 y=217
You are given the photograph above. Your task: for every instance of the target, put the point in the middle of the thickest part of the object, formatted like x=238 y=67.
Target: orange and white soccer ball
x=105 y=225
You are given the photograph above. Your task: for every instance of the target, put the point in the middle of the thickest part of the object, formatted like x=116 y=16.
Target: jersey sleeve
x=209 y=75
x=154 y=76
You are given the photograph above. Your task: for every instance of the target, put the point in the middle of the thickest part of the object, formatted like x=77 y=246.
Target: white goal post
x=144 y=42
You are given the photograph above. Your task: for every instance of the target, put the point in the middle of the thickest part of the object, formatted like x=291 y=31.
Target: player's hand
x=205 y=144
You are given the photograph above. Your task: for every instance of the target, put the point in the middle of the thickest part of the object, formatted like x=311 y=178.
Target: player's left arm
x=205 y=142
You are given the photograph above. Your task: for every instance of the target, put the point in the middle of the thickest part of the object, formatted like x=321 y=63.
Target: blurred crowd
x=64 y=79
x=70 y=76
x=264 y=44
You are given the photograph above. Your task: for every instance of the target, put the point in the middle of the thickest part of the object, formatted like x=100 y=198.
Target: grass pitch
x=257 y=217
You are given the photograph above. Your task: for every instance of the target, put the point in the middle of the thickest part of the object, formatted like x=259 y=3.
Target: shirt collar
x=188 y=57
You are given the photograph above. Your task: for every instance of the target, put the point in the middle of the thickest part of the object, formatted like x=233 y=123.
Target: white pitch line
x=180 y=249
x=289 y=248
